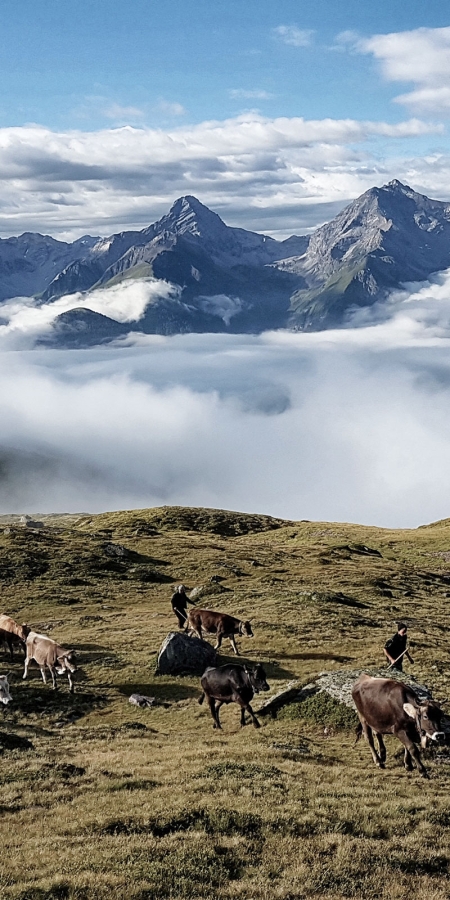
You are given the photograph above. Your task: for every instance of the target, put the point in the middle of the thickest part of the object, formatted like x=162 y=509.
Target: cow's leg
x=413 y=751
x=52 y=673
x=367 y=731
x=233 y=644
x=408 y=761
x=10 y=645
x=27 y=663
x=71 y=687
x=218 y=643
x=44 y=677
x=198 y=632
x=382 y=748
x=212 y=706
x=255 y=720
x=245 y=707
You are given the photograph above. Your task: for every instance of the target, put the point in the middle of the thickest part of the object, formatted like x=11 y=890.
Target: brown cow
x=222 y=624
x=13 y=634
x=47 y=653
x=386 y=706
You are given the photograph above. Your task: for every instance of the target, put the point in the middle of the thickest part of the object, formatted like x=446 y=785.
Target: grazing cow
x=47 y=653
x=13 y=634
x=5 y=696
x=233 y=684
x=386 y=706
x=222 y=624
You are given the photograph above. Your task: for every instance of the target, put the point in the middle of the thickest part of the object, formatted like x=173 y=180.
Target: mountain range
x=229 y=279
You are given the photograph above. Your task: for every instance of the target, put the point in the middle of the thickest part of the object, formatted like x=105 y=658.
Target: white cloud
x=347 y=425
x=26 y=319
x=171 y=108
x=116 y=112
x=294 y=36
x=242 y=94
x=70 y=183
x=421 y=57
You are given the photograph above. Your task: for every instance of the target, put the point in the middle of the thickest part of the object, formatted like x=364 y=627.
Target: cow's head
x=67 y=662
x=245 y=629
x=257 y=678
x=427 y=717
x=25 y=630
x=5 y=696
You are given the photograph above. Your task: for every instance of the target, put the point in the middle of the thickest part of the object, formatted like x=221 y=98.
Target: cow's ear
x=410 y=710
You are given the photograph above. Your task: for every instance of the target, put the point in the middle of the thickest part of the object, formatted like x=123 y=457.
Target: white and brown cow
x=12 y=634
x=48 y=654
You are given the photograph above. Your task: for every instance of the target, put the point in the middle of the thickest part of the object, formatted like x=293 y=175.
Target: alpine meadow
x=224 y=450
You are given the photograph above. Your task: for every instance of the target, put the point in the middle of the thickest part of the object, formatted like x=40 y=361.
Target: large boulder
x=184 y=655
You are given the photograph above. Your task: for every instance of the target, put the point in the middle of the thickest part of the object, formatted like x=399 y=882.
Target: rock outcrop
x=184 y=655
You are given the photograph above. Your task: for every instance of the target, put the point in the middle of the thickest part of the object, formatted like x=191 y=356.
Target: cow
x=47 y=653
x=386 y=706
x=222 y=624
x=5 y=696
x=232 y=684
x=13 y=634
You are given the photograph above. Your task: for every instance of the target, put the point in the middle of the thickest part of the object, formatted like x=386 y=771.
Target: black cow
x=233 y=684
x=386 y=706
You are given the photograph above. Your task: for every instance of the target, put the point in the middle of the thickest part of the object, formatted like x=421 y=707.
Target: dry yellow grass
x=114 y=801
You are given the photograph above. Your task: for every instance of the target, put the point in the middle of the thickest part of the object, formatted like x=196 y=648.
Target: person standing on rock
x=179 y=603
x=395 y=648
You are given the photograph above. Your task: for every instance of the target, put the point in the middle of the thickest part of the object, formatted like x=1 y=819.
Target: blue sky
x=107 y=98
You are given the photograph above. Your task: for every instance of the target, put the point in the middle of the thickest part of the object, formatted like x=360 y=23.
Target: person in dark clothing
x=396 y=646
x=179 y=602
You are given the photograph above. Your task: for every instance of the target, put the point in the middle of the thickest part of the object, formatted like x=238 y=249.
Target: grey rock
x=207 y=590
x=28 y=522
x=338 y=685
x=184 y=655
x=142 y=700
x=117 y=551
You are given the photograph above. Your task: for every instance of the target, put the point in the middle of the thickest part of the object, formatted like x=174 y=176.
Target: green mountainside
x=117 y=801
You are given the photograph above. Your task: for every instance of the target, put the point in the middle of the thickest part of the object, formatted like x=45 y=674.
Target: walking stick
x=398 y=657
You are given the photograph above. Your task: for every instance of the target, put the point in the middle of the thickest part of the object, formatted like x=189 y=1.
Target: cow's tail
x=359 y=731
x=201 y=698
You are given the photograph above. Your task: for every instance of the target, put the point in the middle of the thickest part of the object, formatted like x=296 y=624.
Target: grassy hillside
x=114 y=801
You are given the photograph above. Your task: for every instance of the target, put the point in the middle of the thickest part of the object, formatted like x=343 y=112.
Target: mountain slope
x=388 y=236
x=188 y=219
x=30 y=261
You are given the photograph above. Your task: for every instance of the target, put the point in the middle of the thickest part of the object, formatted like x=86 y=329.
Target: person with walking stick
x=179 y=603
x=395 y=648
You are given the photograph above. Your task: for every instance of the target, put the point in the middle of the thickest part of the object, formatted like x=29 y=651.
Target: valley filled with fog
x=350 y=424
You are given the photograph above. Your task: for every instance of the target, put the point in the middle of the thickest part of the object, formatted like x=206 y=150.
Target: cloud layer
x=280 y=175
x=345 y=425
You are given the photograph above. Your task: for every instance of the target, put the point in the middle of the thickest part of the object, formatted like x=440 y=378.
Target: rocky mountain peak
x=189 y=216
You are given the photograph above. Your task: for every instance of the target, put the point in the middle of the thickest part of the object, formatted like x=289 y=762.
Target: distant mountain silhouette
x=230 y=279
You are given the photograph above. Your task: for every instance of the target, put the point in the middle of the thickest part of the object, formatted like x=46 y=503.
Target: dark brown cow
x=233 y=684
x=386 y=706
x=47 y=653
x=12 y=634
x=222 y=624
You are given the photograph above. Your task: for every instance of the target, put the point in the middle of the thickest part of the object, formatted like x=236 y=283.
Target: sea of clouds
x=351 y=424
